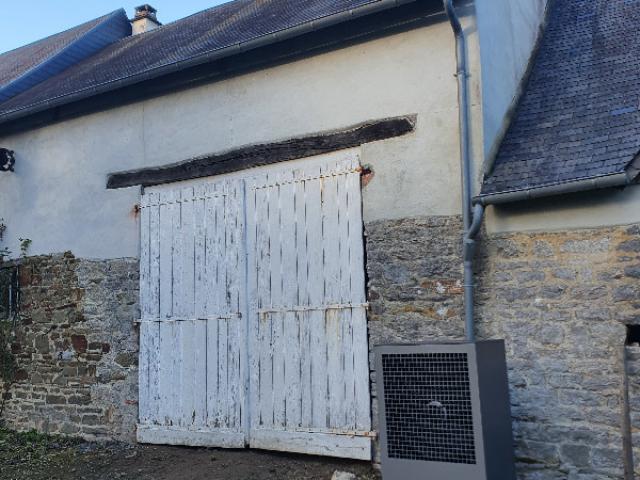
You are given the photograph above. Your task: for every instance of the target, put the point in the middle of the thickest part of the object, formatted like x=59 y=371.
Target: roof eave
x=622 y=179
x=226 y=52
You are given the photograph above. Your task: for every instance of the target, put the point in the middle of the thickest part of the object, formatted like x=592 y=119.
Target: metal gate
x=253 y=304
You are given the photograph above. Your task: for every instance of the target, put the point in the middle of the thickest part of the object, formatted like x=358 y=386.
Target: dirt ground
x=36 y=457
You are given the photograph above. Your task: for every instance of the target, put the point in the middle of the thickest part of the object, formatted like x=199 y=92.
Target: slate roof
x=220 y=30
x=24 y=67
x=579 y=116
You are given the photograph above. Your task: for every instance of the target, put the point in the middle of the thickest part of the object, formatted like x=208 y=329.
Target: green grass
x=31 y=455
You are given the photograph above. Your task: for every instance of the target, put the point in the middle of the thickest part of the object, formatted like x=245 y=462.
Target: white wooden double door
x=253 y=329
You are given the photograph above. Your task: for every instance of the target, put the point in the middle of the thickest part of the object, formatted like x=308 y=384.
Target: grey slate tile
x=223 y=26
x=579 y=116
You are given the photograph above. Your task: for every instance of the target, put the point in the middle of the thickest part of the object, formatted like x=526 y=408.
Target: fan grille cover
x=429 y=407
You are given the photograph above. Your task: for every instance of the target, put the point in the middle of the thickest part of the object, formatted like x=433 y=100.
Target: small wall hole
x=633 y=335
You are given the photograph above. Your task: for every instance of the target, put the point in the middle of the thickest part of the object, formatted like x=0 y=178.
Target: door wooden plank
x=145 y=262
x=191 y=438
x=200 y=314
x=179 y=312
x=360 y=341
x=145 y=307
x=166 y=387
x=212 y=374
x=187 y=367
x=276 y=255
x=333 y=295
x=244 y=406
x=200 y=250
x=290 y=294
x=265 y=333
x=200 y=374
x=341 y=446
x=232 y=241
x=347 y=383
x=316 y=297
x=302 y=288
x=153 y=330
x=223 y=372
x=188 y=248
x=253 y=248
x=186 y=311
x=165 y=344
x=298 y=358
x=167 y=207
x=361 y=369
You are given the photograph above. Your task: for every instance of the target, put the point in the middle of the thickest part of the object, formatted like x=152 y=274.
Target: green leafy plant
x=25 y=244
x=8 y=363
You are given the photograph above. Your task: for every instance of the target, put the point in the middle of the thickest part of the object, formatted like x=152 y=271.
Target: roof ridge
x=54 y=62
x=67 y=30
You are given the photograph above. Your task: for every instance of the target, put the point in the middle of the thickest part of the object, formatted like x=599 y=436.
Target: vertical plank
x=213 y=399
x=200 y=294
x=145 y=306
x=179 y=312
x=223 y=357
x=347 y=386
x=315 y=292
x=188 y=247
x=187 y=328
x=302 y=281
x=244 y=407
x=200 y=251
x=277 y=301
x=232 y=239
x=167 y=207
x=200 y=373
x=165 y=344
x=225 y=322
x=145 y=262
x=290 y=295
x=253 y=267
x=165 y=360
x=187 y=368
x=331 y=270
x=265 y=381
x=358 y=315
x=152 y=330
x=179 y=256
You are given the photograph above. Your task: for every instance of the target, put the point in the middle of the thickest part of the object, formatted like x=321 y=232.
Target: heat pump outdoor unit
x=444 y=412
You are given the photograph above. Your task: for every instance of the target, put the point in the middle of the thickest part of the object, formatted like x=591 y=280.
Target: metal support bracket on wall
x=7 y=160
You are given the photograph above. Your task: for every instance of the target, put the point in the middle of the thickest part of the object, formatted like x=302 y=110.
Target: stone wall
x=560 y=301
x=76 y=346
x=414 y=284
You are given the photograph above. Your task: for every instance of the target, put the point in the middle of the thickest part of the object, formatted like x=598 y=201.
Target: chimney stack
x=145 y=19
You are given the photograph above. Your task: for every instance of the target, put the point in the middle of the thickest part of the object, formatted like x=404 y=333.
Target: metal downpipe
x=470 y=220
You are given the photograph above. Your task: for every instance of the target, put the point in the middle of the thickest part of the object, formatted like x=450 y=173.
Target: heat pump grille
x=428 y=407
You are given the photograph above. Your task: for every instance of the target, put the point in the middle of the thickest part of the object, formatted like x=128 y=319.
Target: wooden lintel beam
x=266 y=153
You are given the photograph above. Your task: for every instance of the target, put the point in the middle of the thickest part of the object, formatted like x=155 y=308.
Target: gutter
x=472 y=220
x=593 y=183
x=213 y=55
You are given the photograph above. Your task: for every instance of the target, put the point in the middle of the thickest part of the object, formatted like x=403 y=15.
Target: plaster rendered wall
x=581 y=210
x=57 y=196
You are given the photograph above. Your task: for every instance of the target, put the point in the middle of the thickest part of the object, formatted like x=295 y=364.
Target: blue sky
x=26 y=21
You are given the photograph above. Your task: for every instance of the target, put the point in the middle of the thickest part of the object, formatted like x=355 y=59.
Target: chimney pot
x=145 y=19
